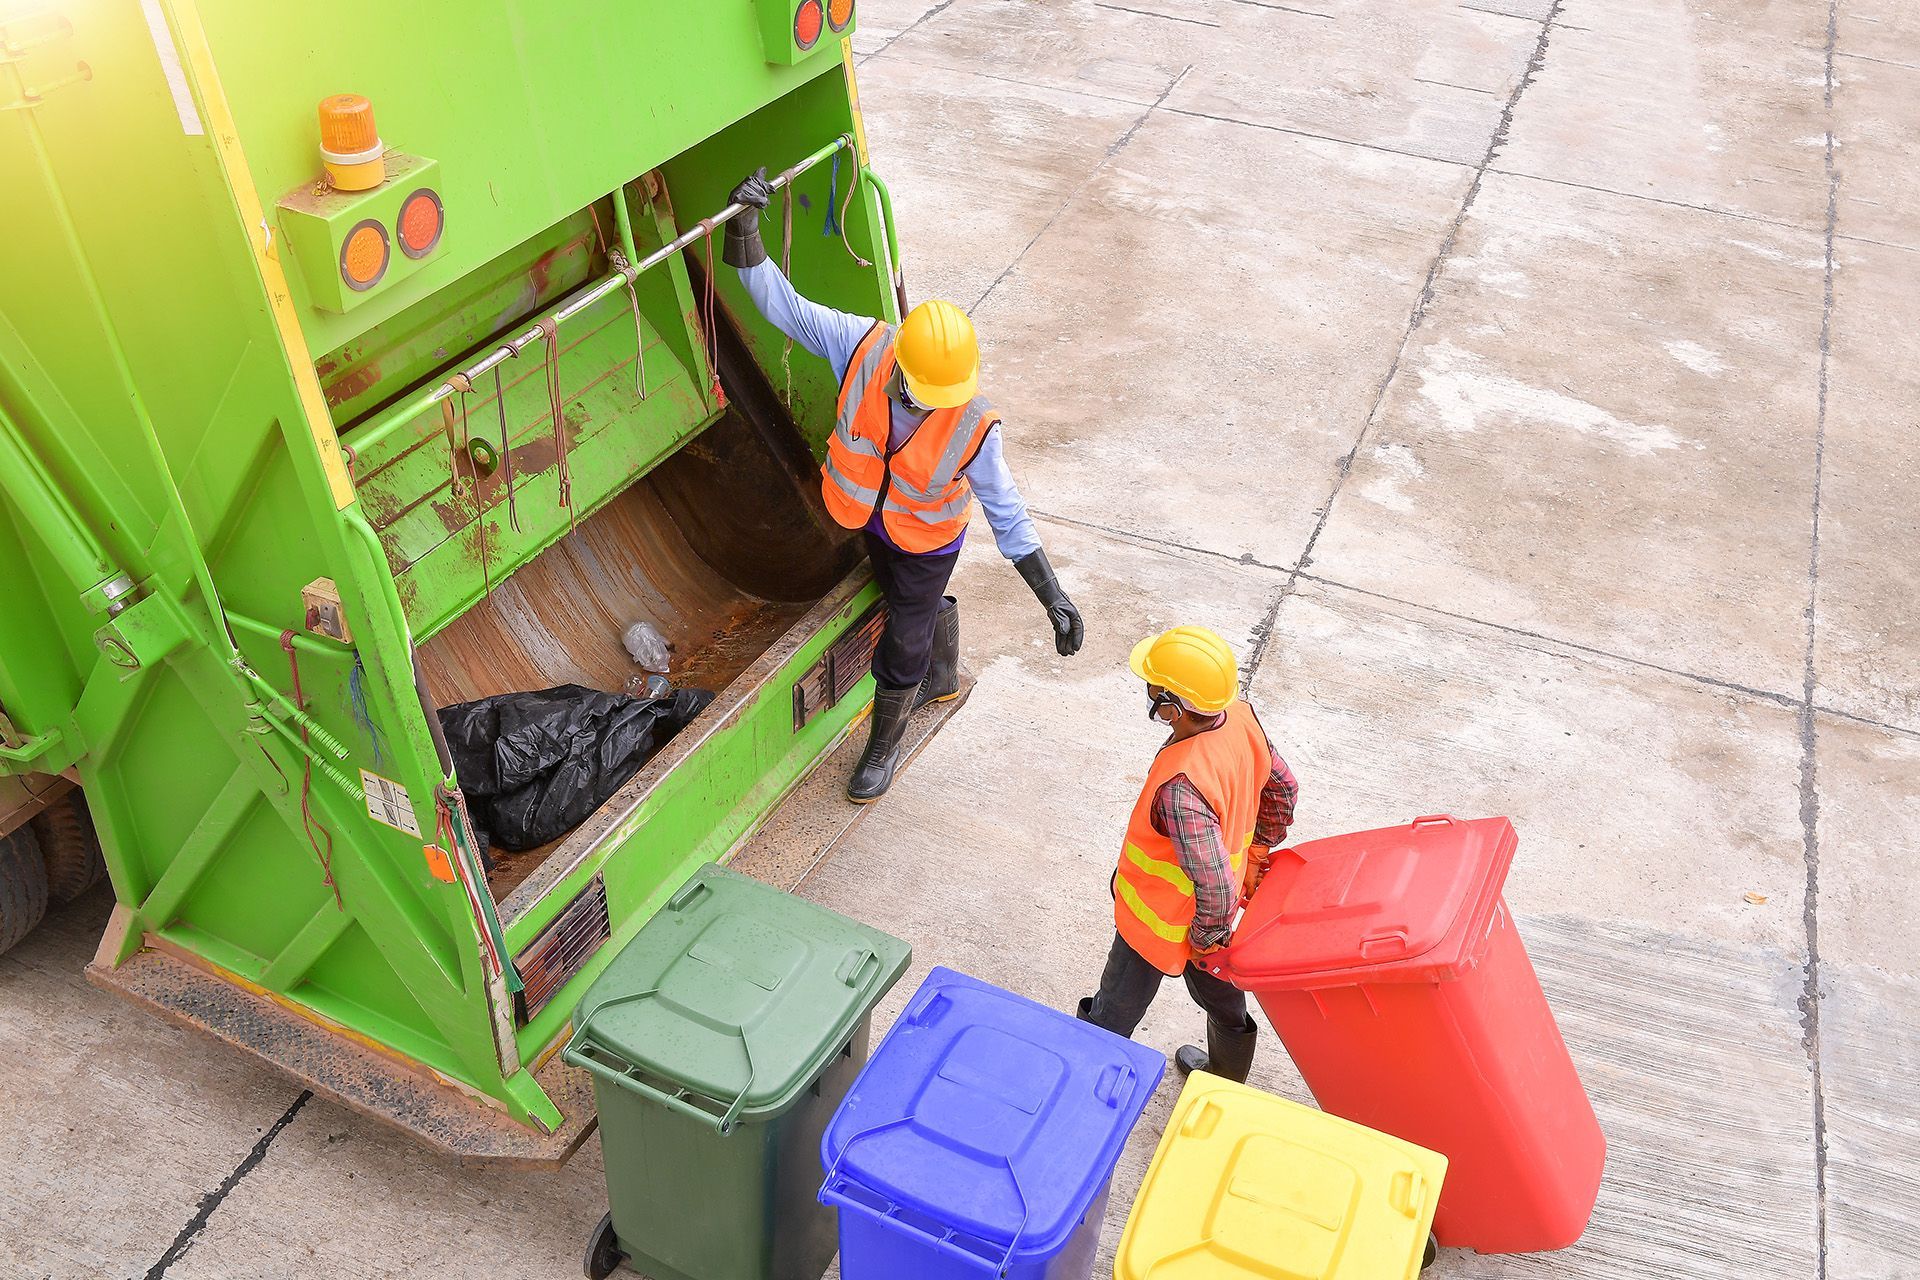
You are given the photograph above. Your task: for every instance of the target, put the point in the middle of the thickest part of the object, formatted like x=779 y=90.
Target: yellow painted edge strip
x=853 y=105
x=233 y=164
x=1168 y=871
x=1147 y=915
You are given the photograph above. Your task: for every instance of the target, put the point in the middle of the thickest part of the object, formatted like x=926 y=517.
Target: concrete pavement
x=1524 y=388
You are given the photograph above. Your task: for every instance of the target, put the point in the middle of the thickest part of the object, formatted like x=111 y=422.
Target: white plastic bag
x=646 y=646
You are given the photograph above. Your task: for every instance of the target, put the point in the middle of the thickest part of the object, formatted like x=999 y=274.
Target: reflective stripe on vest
x=1171 y=872
x=927 y=498
x=1153 y=897
x=855 y=466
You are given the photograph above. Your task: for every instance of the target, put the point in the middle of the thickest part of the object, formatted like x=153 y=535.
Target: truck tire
x=71 y=848
x=23 y=886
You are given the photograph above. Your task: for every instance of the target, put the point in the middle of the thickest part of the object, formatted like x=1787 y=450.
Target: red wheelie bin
x=1390 y=967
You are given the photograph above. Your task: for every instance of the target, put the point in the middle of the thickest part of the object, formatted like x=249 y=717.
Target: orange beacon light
x=350 y=144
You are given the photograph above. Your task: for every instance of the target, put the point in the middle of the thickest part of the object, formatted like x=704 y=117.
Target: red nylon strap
x=308 y=823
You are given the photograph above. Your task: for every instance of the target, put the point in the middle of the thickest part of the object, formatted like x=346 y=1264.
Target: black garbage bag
x=534 y=765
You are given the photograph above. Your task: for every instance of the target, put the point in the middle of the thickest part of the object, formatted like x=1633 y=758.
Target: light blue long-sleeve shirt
x=833 y=336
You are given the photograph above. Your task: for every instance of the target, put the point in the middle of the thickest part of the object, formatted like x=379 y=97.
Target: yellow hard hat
x=938 y=354
x=1192 y=663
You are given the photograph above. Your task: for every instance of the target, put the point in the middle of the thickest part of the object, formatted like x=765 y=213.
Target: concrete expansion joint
x=911 y=27
x=1119 y=145
x=1813 y=994
x=1153 y=13
x=1414 y=320
x=1263 y=634
x=212 y=1200
x=1558 y=642
x=1246 y=558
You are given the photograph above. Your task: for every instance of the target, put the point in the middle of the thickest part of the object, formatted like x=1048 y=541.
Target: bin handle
x=830 y=1196
x=1116 y=1083
x=853 y=969
x=723 y=1124
x=1407 y=1192
x=686 y=895
x=1431 y=818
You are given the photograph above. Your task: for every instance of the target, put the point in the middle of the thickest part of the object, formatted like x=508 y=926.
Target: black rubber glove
x=743 y=247
x=1068 y=631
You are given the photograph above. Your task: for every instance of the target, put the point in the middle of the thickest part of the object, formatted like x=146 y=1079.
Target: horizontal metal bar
x=301 y=641
x=363 y=439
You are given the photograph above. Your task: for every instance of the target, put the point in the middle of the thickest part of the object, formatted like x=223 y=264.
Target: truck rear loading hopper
x=287 y=467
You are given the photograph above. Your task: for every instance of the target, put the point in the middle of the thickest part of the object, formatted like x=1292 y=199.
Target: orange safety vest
x=1152 y=896
x=921 y=488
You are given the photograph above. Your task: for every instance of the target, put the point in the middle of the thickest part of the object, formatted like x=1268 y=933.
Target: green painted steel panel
x=159 y=413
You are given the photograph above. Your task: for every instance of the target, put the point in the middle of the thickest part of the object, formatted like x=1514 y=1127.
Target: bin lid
x=734 y=992
x=1246 y=1184
x=986 y=1114
x=1400 y=904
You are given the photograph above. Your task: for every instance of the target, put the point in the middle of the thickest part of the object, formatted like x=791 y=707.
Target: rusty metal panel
x=563 y=947
x=840 y=667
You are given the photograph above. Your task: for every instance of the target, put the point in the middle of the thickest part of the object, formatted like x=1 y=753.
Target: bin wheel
x=1432 y=1252
x=604 y=1254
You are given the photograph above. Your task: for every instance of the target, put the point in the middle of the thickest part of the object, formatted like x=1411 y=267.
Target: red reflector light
x=363 y=258
x=421 y=221
x=839 y=14
x=806 y=24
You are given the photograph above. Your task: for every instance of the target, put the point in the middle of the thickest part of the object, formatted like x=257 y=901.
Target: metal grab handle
x=724 y=1123
x=890 y=1219
x=365 y=438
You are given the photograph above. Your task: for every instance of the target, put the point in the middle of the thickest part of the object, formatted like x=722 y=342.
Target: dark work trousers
x=1130 y=983
x=914 y=587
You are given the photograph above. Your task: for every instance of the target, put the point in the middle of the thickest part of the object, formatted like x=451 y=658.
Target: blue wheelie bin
x=981 y=1138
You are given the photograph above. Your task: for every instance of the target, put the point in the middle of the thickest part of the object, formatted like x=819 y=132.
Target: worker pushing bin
x=1390 y=967
x=720 y=1040
x=1248 y=1186
x=981 y=1139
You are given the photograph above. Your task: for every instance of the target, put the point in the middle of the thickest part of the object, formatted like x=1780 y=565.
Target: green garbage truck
x=357 y=360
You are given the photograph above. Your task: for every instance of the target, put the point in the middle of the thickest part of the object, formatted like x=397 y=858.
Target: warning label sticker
x=389 y=803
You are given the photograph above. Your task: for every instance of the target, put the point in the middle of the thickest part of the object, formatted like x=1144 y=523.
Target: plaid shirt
x=1183 y=815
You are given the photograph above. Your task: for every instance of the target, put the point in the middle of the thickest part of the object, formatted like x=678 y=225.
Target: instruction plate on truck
x=389 y=803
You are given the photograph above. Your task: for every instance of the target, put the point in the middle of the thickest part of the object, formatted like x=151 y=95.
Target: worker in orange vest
x=1216 y=801
x=913 y=444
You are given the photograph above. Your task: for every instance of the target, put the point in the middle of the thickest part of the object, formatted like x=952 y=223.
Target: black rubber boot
x=943 y=673
x=1084 y=1011
x=874 y=774
x=1229 y=1052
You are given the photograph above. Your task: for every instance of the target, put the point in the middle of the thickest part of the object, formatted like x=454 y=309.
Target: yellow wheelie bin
x=1249 y=1186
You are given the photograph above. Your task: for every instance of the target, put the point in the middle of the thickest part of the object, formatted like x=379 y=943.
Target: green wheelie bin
x=721 y=1040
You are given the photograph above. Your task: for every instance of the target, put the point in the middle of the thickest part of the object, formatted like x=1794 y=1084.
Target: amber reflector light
x=363 y=258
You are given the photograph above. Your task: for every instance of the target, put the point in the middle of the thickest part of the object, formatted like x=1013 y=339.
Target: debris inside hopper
x=647 y=647
x=535 y=765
